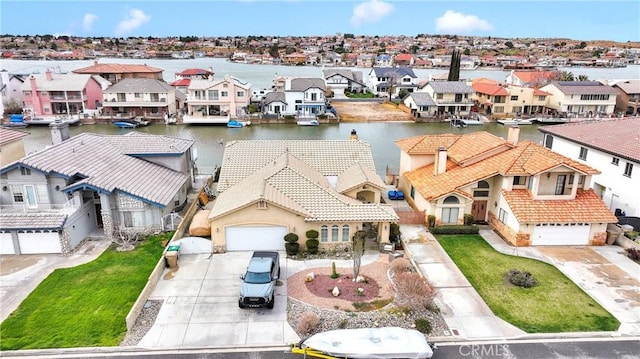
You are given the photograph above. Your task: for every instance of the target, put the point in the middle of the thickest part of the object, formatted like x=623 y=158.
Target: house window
x=412 y=192
x=224 y=93
x=18 y=194
x=560 y=182
x=450 y=215
x=502 y=216
x=583 y=153
x=240 y=93
x=480 y=193
x=324 y=233
x=262 y=205
x=514 y=98
x=615 y=161
x=548 y=141
x=519 y=180
x=542 y=98
x=498 y=109
x=137 y=95
x=439 y=96
x=25 y=171
x=212 y=94
x=225 y=85
x=345 y=233
x=628 y=168
x=335 y=233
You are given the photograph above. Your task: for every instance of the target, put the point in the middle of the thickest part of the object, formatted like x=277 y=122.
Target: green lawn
x=83 y=306
x=555 y=305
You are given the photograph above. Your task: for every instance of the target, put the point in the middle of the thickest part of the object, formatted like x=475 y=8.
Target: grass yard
x=83 y=306
x=554 y=305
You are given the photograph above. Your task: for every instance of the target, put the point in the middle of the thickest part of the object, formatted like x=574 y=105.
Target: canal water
x=210 y=140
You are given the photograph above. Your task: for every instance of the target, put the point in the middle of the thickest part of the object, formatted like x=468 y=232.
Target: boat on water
x=385 y=342
x=16 y=121
x=124 y=124
x=33 y=119
x=237 y=124
x=130 y=123
x=514 y=121
x=308 y=122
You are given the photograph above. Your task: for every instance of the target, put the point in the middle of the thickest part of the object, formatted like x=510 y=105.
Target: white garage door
x=245 y=238
x=6 y=243
x=575 y=234
x=39 y=243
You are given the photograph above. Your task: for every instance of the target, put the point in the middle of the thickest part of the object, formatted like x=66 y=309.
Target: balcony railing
x=66 y=208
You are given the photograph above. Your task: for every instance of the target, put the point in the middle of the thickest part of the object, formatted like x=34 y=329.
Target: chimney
x=49 y=75
x=59 y=131
x=354 y=135
x=95 y=62
x=513 y=136
x=440 y=163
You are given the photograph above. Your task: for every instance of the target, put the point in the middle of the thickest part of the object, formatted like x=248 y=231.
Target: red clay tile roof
x=474 y=144
x=181 y=82
x=533 y=76
x=620 y=137
x=194 y=72
x=116 y=69
x=403 y=57
x=426 y=144
x=8 y=135
x=587 y=207
x=490 y=89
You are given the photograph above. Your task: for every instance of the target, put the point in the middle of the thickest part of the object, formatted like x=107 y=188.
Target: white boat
x=514 y=121
x=32 y=119
x=308 y=122
x=386 y=342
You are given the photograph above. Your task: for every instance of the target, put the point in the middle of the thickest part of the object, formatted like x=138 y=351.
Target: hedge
x=454 y=229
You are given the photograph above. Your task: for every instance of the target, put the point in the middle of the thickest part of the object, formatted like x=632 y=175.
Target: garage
x=558 y=234
x=252 y=238
x=39 y=242
x=6 y=243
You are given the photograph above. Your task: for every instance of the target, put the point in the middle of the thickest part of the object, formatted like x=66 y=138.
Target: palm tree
x=566 y=76
x=583 y=78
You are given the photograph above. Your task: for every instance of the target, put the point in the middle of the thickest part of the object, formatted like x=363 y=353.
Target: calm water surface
x=210 y=139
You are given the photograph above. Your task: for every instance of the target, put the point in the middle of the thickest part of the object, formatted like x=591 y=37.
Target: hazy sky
x=617 y=20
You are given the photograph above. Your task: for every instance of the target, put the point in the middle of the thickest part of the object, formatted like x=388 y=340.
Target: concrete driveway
x=200 y=307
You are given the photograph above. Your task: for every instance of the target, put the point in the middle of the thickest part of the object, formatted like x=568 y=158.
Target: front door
x=479 y=210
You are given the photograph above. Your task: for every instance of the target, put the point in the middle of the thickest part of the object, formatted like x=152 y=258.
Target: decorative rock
x=309 y=278
x=360 y=279
x=335 y=291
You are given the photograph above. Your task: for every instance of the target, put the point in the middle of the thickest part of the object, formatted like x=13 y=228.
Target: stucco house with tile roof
x=217 y=101
x=114 y=72
x=611 y=146
x=53 y=199
x=581 y=98
x=267 y=189
x=140 y=97
x=528 y=193
x=628 y=99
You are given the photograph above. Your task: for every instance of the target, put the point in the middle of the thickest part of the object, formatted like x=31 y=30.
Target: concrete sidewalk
x=605 y=273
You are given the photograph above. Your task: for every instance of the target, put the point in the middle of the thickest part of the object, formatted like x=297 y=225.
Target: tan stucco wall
x=11 y=152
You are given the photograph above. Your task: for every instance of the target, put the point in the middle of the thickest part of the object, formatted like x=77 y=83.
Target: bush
x=423 y=325
x=631 y=234
x=522 y=279
x=312 y=234
x=633 y=253
x=413 y=291
x=468 y=219
x=454 y=229
x=291 y=246
x=401 y=265
x=308 y=323
x=312 y=246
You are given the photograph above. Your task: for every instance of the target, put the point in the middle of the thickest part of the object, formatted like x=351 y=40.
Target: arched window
x=483 y=184
x=345 y=233
x=324 y=233
x=335 y=233
x=451 y=200
x=450 y=214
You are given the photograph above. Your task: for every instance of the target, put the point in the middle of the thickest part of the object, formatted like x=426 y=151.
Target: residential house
x=537 y=78
x=403 y=60
x=299 y=96
x=628 y=99
x=421 y=104
x=388 y=81
x=528 y=193
x=53 y=199
x=52 y=94
x=365 y=60
x=487 y=95
x=267 y=189
x=11 y=145
x=344 y=79
x=116 y=72
x=525 y=101
x=10 y=85
x=581 y=98
x=294 y=59
x=612 y=147
x=140 y=97
x=384 y=60
x=184 y=77
x=217 y=101
x=451 y=97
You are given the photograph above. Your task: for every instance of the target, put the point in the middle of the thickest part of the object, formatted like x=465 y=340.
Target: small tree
x=312 y=241
x=358 y=251
x=291 y=246
x=125 y=239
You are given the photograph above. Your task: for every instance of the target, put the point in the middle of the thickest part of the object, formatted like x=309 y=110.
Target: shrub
x=631 y=234
x=334 y=273
x=308 y=323
x=312 y=246
x=401 y=265
x=454 y=229
x=633 y=253
x=292 y=246
x=312 y=234
x=522 y=279
x=468 y=219
x=413 y=290
x=423 y=325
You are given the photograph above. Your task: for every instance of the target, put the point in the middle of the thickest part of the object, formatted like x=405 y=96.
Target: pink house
x=58 y=94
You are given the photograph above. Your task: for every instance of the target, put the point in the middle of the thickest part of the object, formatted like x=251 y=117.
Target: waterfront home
x=11 y=145
x=267 y=189
x=581 y=98
x=612 y=147
x=58 y=94
x=298 y=96
x=53 y=199
x=116 y=72
x=184 y=77
x=344 y=79
x=512 y=101
x=388 y=81
x=535 y=78
x=421 y=104
x=628 y=99
x=217 y=101
x=384 y=60
x=403 y=60
x=10 y=85
x=148 y=98
x=528 y=193
x=451 y=97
